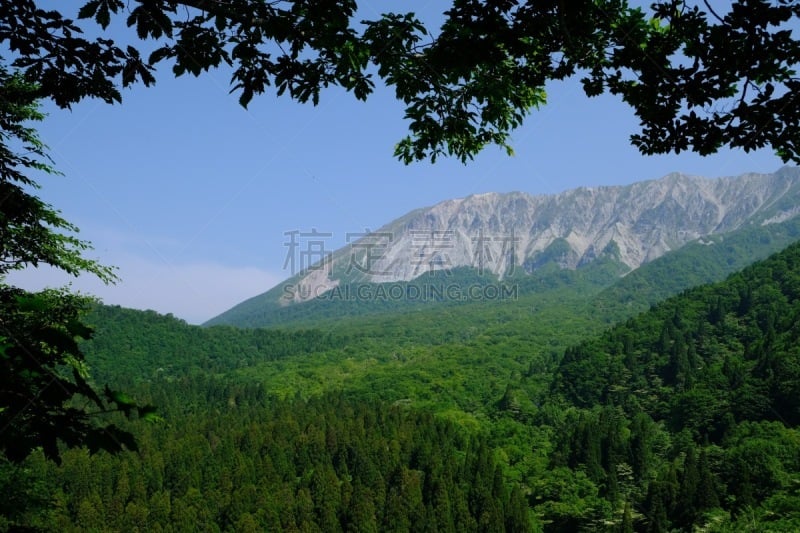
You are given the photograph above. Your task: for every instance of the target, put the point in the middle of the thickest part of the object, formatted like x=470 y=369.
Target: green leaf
x=89 y=9
x=32 y=303
x=78 y=329
x=220 y=22
x=103 y=16
x=149 y=413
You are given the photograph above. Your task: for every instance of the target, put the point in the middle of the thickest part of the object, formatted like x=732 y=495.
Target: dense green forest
x=246 y=462
x=698 y=401
x=478 y=417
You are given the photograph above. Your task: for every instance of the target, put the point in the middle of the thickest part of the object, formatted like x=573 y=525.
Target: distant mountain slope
x=135 y=345
x=493 y=238
x=706 y=260
x=639 y=222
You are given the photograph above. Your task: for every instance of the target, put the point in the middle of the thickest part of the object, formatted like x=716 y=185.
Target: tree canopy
x=698 y=77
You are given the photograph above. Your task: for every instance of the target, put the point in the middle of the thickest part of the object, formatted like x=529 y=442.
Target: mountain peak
x=506 y=233
x=644 y=220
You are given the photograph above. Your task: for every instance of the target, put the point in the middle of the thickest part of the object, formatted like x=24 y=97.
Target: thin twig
x=711 y=10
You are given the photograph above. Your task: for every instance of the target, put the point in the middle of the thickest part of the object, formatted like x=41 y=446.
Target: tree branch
x=224 y=9
x=711 y=10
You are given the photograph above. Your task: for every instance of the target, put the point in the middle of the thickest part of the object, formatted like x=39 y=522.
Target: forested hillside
x=704 y=261
x=693 y=406
x=464 y=418
x=142 y=345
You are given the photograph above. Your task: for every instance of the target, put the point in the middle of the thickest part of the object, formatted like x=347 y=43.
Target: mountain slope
x=639 y=222
x=688 y=413
x=496 y=238
x=747 y=326
x=706 y=260
x=134 y=345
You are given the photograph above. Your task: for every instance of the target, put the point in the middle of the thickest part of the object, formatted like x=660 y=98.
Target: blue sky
x=190 y=195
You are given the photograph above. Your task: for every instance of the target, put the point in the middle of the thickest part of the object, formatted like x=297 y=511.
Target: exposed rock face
x=502 y=232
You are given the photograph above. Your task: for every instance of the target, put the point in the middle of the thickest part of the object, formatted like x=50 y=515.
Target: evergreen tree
x=686 y=505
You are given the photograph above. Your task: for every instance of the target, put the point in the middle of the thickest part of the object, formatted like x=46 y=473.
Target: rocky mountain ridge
x=501 y=232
